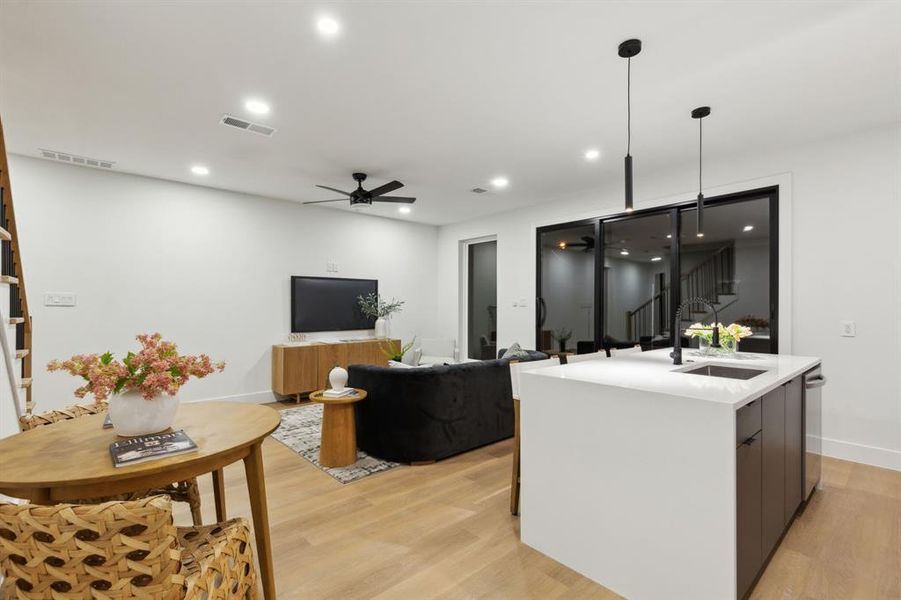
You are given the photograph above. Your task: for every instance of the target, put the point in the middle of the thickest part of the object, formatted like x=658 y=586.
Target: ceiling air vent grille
x=233 y=121
x=75 y=159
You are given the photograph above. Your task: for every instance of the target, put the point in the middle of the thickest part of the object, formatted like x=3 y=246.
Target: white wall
x=840 y=221
x=208 y=269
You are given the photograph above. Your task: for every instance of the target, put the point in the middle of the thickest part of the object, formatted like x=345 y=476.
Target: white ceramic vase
x=337 y=378
x=381 y=327
x=133 y=415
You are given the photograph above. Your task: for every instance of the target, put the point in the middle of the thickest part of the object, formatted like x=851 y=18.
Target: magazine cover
x=149 y=447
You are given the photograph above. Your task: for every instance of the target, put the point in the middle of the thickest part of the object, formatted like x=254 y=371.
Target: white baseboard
x=868 y=455
x=264 y=397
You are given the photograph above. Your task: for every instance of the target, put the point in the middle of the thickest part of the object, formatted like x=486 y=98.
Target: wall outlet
x=331 y=267
x=849 y=328
x=59 y=299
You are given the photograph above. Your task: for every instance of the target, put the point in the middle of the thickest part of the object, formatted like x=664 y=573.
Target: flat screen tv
x=329 y=303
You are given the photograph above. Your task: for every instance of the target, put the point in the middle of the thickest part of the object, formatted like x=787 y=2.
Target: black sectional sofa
x=429 y=413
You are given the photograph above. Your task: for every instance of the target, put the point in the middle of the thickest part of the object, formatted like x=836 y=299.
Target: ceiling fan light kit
x=363 y=199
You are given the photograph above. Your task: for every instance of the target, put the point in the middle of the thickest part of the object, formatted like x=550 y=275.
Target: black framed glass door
x=637 y=298
x=610 y=281
x=565 y=307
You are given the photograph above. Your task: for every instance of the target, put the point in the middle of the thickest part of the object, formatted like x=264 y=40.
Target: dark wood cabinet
x=794 y=447
x=748 y=462
x=769 y=476
x=773 y=471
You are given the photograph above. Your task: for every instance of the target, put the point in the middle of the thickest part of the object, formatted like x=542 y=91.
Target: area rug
x=300 y=430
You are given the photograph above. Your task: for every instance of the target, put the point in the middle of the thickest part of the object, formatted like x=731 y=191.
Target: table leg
x=219 y=494
x=256 y=486
x=338 y=445
x=40 y=496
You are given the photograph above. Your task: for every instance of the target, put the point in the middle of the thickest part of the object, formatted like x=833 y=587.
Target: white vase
x=133 y=415
x=381 y=327
x=337 y=378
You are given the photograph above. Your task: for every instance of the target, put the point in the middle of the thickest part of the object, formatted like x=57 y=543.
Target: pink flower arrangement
x=157 y=368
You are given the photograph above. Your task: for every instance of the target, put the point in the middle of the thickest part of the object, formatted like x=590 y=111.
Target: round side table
x=338 y=447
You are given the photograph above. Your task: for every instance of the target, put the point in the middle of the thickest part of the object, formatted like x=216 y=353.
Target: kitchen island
x=659 y=483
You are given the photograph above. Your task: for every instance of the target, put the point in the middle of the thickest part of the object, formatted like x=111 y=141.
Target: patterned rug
x=301 y=429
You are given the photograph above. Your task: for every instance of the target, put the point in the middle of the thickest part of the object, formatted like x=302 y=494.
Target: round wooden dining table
x=70 y=460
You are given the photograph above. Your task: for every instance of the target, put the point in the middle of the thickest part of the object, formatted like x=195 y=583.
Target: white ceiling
x=440 y=95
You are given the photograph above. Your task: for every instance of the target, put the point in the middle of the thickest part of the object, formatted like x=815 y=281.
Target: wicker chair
x=182 y=491
x=120 y=550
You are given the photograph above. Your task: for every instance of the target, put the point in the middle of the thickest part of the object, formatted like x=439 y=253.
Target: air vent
x=75 y=159
x=478 y=190
x=233 y=121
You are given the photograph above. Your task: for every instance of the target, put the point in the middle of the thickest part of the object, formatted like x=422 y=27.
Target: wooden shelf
x=8 y=279
x=16 y=320
x=5 y=235
x=22 y=353
x=25 y=382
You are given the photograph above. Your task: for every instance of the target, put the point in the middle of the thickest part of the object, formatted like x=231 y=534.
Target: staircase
x=16 y=334
x=713 y=280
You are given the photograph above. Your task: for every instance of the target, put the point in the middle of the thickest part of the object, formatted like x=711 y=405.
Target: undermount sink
x=724 y=371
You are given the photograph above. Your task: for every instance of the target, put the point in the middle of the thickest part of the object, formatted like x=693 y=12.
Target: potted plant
x=562 y=335
x=730 y=335
x=394 y=353
x=144 y=385
x=373 y=306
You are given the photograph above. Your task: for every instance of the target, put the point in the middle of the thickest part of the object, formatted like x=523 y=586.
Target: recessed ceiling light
x=562 y=245
x=748 y=228
x=405 y=210
x=669 y=236
x=200 y=170
x=624 y=252
x=327 y=26
x=656 y=258
x=257 y=107
x=700 y=235
x=592 y=154
x=500 y=182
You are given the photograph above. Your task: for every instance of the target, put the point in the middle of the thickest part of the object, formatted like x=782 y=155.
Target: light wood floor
x=444 y=531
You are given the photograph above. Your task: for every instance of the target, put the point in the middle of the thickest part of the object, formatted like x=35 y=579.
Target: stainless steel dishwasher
x=814 y=380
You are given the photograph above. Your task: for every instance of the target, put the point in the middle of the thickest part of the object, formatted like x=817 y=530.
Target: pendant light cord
x=629 y=106
x=700 y=154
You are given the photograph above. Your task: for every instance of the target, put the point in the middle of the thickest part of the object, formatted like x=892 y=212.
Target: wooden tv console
x=298 y=369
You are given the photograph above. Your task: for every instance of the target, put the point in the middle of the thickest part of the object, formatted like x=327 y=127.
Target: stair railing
x=13 y=276
x=710 y=279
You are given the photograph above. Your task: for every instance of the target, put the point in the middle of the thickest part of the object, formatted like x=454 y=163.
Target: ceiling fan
x=360 y=198
x=587 y=243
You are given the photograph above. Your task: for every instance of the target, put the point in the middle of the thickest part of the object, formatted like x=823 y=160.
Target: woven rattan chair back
x=112 y=550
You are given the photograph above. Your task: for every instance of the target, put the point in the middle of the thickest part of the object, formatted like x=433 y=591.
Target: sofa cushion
x=515 y=351
x=411 y=357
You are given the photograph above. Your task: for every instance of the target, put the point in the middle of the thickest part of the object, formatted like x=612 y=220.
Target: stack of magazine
x=140 y=449
x=342 y=393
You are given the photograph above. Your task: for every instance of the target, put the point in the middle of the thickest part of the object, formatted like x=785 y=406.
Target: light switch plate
x=59 y=299
x=849 y=328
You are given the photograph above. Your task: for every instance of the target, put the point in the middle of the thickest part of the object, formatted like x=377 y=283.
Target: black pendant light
x=627 y=50
x=699 y=113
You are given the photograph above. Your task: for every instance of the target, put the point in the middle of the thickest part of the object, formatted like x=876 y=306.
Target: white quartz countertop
x=655 y=372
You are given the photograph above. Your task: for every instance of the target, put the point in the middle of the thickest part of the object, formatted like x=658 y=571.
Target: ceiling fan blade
x=400 y=199
x=384 y=189
x=325 y=187
x=321 y=201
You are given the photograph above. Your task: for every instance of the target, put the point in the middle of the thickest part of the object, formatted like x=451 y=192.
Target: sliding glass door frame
x=540 y=307
x=676 y=211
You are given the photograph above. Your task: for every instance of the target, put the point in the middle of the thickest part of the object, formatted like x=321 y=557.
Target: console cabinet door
x=748 y=461
x=773 y=468
x=794 y=448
